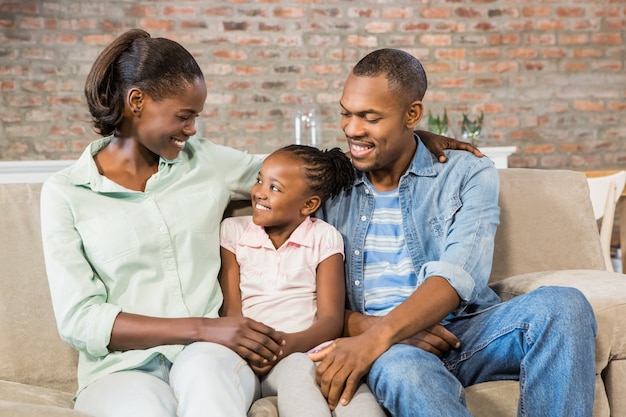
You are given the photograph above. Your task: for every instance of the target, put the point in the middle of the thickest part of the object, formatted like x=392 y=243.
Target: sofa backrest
x=31 y=350
x=546 y=223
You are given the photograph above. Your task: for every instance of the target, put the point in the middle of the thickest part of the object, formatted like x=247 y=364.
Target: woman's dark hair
x=328 y=172
x=158 y=66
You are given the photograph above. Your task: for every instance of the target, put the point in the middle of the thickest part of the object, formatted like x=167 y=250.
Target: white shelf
x=39 y=171
x=30 y=171
x=499 y=154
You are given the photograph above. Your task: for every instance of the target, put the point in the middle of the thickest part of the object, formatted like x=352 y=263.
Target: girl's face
x=281 y=196
x=165 y=125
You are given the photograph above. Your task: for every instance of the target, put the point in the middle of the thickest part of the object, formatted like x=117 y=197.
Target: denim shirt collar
x=422 y=164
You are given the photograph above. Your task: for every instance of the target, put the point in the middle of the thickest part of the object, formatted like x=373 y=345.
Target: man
x=419 y=239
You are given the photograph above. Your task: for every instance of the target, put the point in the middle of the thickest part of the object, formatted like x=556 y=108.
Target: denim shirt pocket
x=439 y=224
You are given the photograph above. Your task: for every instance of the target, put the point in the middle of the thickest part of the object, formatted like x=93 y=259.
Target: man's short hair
x=405 y=74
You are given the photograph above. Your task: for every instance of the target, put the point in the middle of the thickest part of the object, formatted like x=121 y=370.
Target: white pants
x=207 y=379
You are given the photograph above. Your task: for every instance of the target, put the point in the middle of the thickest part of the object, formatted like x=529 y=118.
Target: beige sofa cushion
x=606 y=292
x=14 y=409
x=33 y=353
x=31 y=394
x=546 y=223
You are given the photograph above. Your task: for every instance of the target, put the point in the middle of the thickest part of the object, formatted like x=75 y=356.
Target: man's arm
x=436 y=339
x=347 y=360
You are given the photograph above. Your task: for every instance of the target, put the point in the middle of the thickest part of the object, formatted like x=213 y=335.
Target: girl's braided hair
x=328 y=172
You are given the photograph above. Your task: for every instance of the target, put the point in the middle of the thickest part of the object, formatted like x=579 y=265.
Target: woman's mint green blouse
x=156 y=253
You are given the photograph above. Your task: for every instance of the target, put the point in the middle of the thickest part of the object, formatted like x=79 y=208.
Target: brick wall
x=549 y=76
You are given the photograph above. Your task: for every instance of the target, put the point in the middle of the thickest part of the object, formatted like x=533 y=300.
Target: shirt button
x=363 y=218
x=357 y=252
x=162 y=229
x=357 y=282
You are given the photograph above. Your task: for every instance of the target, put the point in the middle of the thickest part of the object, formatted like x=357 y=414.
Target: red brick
x=436 y=12
x=312 y=84
x=380 y=27
x=397 y=13
x=536 y=11
x=179 y=11
x=20 y=7
x=607 y=38
x=436 y=40
x=574 y=66
x=586 y=105
x=456 y=54
x=288 y=12
x=467 y=12
x=570 y=12
x=522 y=53
x=577 y=38
x=137 y=10
x=356 y=12
x=362 y=41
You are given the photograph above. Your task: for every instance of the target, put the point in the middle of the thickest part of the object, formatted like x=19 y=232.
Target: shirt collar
x=255 y=235
x=85 y=171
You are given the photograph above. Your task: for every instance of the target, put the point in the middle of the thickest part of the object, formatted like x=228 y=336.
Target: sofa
x=548 y=236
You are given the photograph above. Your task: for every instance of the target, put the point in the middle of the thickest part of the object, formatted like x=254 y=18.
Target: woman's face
x=165 y=125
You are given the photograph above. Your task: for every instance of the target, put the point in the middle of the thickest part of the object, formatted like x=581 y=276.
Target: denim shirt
x=449 y=217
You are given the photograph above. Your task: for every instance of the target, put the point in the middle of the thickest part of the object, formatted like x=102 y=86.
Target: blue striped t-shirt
x=389 y=274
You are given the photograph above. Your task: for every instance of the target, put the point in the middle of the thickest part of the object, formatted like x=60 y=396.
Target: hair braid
x=328 y=172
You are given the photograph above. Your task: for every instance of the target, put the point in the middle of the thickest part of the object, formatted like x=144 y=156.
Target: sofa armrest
x=605 y=291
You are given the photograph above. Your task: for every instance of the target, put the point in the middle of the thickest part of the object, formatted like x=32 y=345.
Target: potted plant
x=438 y=124
x=471 y=129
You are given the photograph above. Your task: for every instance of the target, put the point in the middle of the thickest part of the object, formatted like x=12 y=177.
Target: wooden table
x=620 y=210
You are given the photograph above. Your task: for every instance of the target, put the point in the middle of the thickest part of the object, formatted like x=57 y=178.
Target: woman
x=131 y=241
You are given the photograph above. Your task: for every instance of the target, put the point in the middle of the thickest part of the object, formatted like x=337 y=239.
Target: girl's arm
x=330 y=308
x=229 y=281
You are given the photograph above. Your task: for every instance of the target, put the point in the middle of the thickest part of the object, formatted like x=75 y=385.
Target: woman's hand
x=436 y=144
x=258 y=344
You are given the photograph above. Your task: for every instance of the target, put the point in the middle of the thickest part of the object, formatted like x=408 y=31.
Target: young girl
x=284 y=268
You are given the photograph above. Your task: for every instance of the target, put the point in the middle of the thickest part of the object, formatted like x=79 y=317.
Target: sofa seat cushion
x=30 y=394
x=606 y=292
x=497 y=398
x=16 y=409
x=264 y=407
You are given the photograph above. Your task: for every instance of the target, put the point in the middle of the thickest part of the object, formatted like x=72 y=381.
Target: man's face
x=378 y=125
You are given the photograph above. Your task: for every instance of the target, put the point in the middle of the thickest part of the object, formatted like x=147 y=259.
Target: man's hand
x=343 y=363
x=437 y=340
x=436 y=144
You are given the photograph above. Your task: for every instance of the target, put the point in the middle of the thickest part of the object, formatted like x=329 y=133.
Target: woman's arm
x=254 y=341
x=436 y=144
x=330 y=308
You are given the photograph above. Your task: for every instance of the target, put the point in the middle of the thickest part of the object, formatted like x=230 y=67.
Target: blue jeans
x=544 y=339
